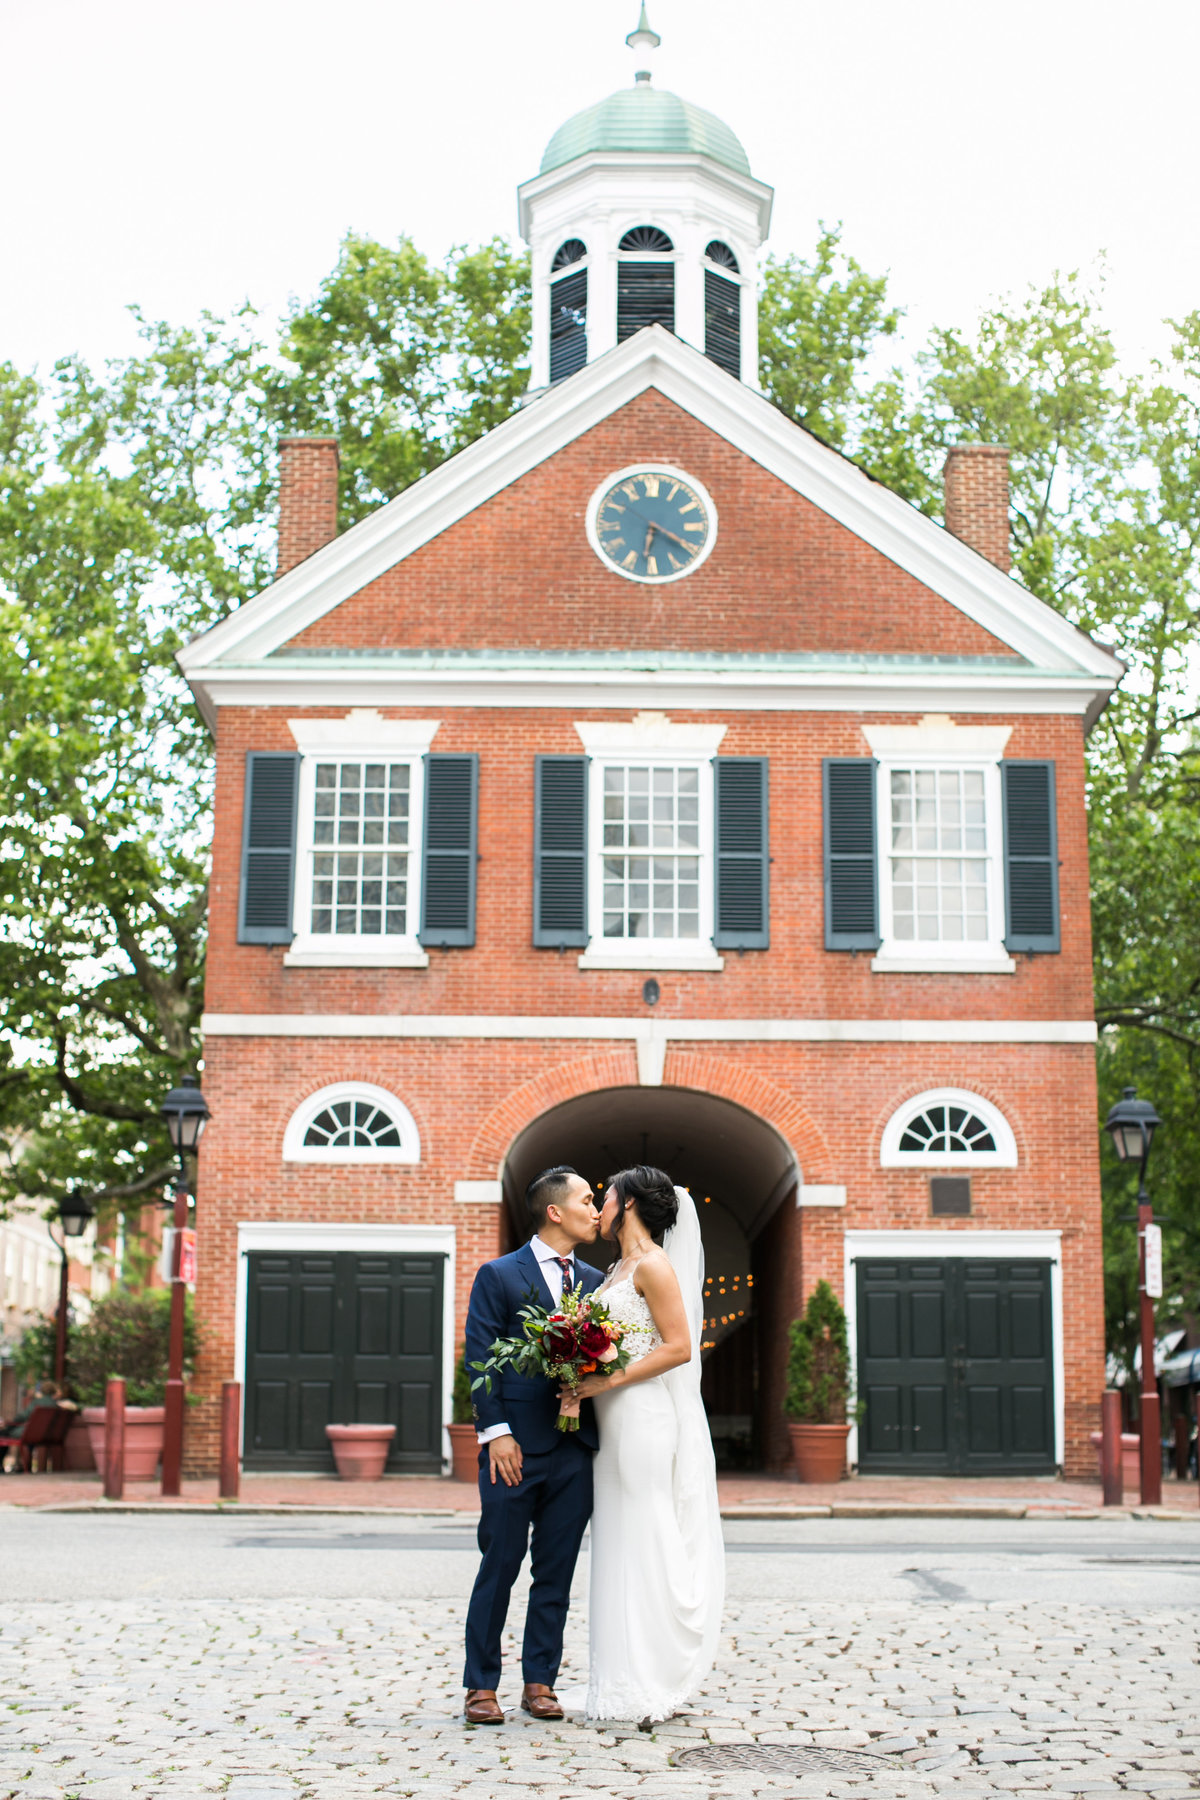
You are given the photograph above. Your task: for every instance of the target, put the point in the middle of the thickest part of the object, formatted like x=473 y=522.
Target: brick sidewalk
x=739 y=1494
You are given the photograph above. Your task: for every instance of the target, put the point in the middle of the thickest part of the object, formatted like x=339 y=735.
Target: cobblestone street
x=318 y=1699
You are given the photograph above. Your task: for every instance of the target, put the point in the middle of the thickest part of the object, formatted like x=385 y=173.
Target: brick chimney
x=976 y=482
x=308 y=495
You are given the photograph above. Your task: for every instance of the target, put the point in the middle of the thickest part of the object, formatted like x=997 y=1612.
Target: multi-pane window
x=352 y=1125
x=361 y=838
x=946 y=1131
x=651 y=852
x=938 y=854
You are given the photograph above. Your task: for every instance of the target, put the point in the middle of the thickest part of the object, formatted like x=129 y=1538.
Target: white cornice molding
x=735 y=412
x=748 y=193
x=572 y=1029
x=958 y=690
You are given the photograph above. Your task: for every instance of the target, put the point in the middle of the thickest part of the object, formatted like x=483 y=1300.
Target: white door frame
x=1040 y=1246
x=391 y=1240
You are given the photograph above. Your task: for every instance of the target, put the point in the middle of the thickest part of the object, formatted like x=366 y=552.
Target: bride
x=658 y=1558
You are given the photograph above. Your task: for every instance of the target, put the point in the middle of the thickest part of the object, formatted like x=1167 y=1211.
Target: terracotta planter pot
x=77 y=1447
x=360 y=1451
x=143 y=1440
x=464 y=1452
x=1131 y=1462
x=819 y=1450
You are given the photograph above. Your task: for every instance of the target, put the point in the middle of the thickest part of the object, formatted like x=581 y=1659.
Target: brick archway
x=617 y=1067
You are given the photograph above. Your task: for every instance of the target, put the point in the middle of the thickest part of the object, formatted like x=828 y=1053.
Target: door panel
x=954 y=1366
x=340 y=1339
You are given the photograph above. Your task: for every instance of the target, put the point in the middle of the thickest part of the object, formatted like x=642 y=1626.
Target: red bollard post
x=1112 y=1468
x=231 y=1431
x=114 y=1439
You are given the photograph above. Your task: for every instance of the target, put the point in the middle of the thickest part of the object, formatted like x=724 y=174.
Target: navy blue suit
x=553 y=1498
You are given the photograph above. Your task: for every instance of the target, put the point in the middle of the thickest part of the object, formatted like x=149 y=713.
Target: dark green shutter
x=851 y=854
x=448 y=879
x=742 y=920
x=560 y=851
x=1030 y=857
x=268 y=847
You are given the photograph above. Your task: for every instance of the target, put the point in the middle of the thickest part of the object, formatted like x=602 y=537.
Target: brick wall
x=977 y=501
x=830 y=1100
x=519 y=571
x=308 y=497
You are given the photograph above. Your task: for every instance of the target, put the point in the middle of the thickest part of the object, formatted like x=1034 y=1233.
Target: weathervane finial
x=643 y=38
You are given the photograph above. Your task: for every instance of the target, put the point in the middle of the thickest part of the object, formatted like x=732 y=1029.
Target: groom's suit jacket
x=527 y=1404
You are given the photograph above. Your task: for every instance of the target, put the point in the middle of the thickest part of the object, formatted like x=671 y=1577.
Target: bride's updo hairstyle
x=653 y=1194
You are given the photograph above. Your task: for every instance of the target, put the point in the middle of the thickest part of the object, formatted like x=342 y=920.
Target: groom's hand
x=504 y=1456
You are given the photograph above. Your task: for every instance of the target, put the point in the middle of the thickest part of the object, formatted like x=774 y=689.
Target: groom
x=530 y=1474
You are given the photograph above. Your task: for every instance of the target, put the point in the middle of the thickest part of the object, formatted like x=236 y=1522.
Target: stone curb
x=866 y=1509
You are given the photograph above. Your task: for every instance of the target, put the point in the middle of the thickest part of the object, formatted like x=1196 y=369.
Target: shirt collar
x=544 y=1253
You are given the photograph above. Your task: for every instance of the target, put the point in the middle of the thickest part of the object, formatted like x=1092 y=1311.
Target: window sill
x=985 y=962
x=631 y=956
x=352 y=956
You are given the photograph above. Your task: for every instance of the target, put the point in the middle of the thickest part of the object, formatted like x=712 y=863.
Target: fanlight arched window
x=722 y=308
x=352 y=1121
x=645 y=284
x=568 y=309
x=948 y=1126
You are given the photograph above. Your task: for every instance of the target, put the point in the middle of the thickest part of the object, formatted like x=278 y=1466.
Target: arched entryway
x=741 y=1172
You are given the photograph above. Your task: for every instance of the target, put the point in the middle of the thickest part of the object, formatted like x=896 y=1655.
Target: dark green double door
x=342 y=1339
x=955 y=1366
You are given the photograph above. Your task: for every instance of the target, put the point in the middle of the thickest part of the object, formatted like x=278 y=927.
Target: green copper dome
x=647 y=119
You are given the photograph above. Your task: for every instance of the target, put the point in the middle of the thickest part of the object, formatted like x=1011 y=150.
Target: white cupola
x=644 y=212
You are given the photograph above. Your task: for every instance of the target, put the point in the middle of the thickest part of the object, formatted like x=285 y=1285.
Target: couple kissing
x=640 y=1467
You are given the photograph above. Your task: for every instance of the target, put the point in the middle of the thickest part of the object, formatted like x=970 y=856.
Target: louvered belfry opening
x=645 y=286
x=568 y=310
x=722 y=309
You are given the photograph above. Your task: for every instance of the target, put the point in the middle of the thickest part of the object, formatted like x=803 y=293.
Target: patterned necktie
x=564 y=1263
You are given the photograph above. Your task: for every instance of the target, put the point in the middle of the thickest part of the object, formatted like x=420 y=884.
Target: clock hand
x=682 y=542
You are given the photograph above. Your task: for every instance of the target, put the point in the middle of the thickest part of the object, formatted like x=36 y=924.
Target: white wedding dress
x=658 y=1558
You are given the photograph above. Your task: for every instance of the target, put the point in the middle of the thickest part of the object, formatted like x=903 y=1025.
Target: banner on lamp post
x=1154 y=1266
x=187 y=1258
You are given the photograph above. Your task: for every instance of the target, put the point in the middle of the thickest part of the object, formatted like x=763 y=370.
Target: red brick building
x=647 y=783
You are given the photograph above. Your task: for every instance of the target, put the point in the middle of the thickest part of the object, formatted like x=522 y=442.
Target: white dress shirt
x=552 y=1275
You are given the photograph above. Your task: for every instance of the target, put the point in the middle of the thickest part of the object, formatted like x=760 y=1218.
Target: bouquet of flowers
x=578 y=1339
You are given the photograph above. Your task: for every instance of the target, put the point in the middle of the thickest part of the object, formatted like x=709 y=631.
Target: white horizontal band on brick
x=478 y=1193
x=571 y=1028
x=816 y=1195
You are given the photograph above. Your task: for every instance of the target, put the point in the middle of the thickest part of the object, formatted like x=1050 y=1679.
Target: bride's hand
x=588 y=1388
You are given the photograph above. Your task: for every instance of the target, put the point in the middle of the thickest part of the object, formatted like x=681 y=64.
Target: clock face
x=652 y=523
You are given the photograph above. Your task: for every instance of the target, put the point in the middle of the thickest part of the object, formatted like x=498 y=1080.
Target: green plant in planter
x=460 y=1395
x=818 y=1375
x=129 y=1334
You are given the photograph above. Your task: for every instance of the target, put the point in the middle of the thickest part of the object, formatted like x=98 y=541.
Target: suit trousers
x=551 y=1505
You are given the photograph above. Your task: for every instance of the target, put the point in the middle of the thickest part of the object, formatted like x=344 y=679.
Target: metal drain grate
x=782 y=1759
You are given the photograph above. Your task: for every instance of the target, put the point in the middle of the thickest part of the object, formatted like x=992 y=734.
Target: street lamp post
x=74 y=1216
x=186 y=1114
x=1132 y=1124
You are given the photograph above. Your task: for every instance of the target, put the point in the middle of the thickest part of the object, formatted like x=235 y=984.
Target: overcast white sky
x=189 y=156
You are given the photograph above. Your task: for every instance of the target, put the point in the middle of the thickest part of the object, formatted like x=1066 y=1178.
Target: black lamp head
x=75 y=1214
x=186 y=1113
x=1131 y=1123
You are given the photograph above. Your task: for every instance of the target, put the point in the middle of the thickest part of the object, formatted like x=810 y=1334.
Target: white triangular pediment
x=653 y=359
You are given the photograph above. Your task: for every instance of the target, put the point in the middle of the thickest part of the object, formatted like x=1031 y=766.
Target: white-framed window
x=941 y=873
x=650 y=844
x=948 y=1127
x=352 y=1121
x=358 y=846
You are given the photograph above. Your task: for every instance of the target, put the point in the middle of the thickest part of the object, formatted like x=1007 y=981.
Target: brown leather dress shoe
x=538 y=1699
x=482 y=1707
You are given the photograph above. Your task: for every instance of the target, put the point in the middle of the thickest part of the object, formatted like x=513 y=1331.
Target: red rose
x=558 y=1341
x=594 y=1339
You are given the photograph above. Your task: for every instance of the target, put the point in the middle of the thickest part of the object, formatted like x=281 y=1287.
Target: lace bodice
x=630 y=1310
